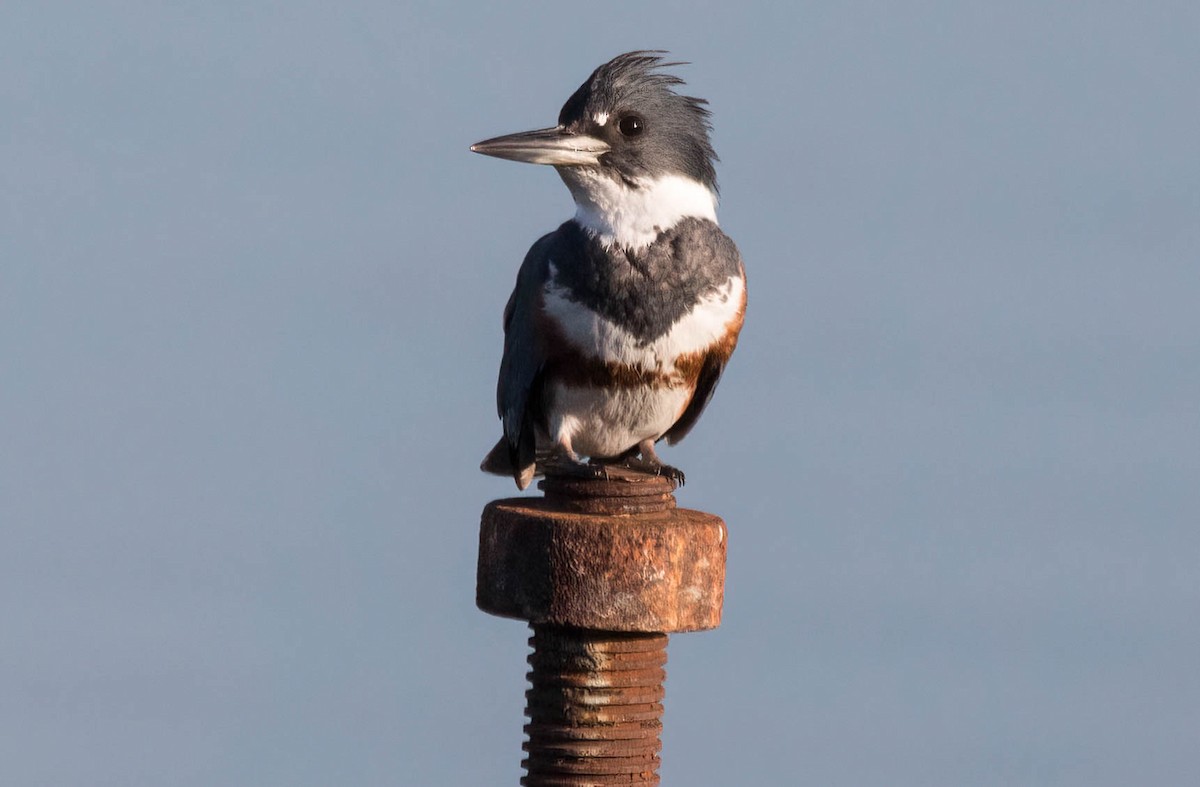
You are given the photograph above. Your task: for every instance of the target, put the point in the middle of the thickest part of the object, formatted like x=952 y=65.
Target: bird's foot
x=652 y=466
x=572 y=466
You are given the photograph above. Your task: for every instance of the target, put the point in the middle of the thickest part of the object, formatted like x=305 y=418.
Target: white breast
x=694 y=332
x=604 y=422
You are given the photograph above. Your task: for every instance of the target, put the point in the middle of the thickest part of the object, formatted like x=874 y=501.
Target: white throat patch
x=630 y=217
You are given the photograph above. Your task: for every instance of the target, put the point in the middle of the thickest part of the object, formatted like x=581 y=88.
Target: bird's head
x=623 y=139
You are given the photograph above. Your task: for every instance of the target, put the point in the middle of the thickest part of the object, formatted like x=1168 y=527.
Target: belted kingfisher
x=623 y=318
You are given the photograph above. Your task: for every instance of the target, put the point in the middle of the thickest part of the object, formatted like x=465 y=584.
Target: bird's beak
x=555 y=146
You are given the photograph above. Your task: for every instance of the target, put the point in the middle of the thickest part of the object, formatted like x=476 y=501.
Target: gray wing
x=710 y=375
x=524 y=356
x=706 y=385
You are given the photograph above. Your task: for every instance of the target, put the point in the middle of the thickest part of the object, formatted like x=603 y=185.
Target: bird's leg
x=647 y=461
x=564 y=461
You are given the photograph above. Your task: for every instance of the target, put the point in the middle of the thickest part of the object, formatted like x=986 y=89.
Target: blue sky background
x=250 y=293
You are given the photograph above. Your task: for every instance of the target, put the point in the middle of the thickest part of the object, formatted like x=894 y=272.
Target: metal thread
x=594 y=707
x=620 y=492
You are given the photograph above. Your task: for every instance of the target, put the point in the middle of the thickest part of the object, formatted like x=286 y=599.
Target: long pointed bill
x=554 y=146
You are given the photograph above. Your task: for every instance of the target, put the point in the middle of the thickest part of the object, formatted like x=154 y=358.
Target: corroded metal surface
x=652 y=570
x=599 y=567
x=594 y=707
x=620 y=491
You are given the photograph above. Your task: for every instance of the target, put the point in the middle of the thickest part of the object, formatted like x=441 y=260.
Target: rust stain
x=602 y=569
x=594 y=707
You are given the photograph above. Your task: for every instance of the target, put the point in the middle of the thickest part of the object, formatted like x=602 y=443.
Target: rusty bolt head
x=640 y=565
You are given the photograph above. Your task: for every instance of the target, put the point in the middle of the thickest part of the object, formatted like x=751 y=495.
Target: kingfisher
x=622 y=319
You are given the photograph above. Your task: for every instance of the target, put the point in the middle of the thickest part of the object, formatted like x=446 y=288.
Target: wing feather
x=710 y=374
x=706 y=384
x=524 y=358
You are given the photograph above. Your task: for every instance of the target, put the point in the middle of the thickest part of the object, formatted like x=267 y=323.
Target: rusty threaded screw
x=601 y=569
x=594 y=707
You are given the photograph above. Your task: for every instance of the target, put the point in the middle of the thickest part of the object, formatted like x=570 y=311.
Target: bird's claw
x=564 y=466
x=654 y=467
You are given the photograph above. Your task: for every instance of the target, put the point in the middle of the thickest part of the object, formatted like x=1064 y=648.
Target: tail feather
x=500 y=461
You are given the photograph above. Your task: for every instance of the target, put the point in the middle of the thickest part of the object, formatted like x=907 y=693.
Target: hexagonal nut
x=660 y=571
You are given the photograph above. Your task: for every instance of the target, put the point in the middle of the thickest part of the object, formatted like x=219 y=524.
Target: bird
x=623 y=319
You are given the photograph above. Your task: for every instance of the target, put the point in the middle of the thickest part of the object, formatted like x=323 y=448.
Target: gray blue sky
x=250 y=293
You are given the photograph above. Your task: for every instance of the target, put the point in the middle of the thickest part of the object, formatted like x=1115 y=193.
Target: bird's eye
x=631 y=125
